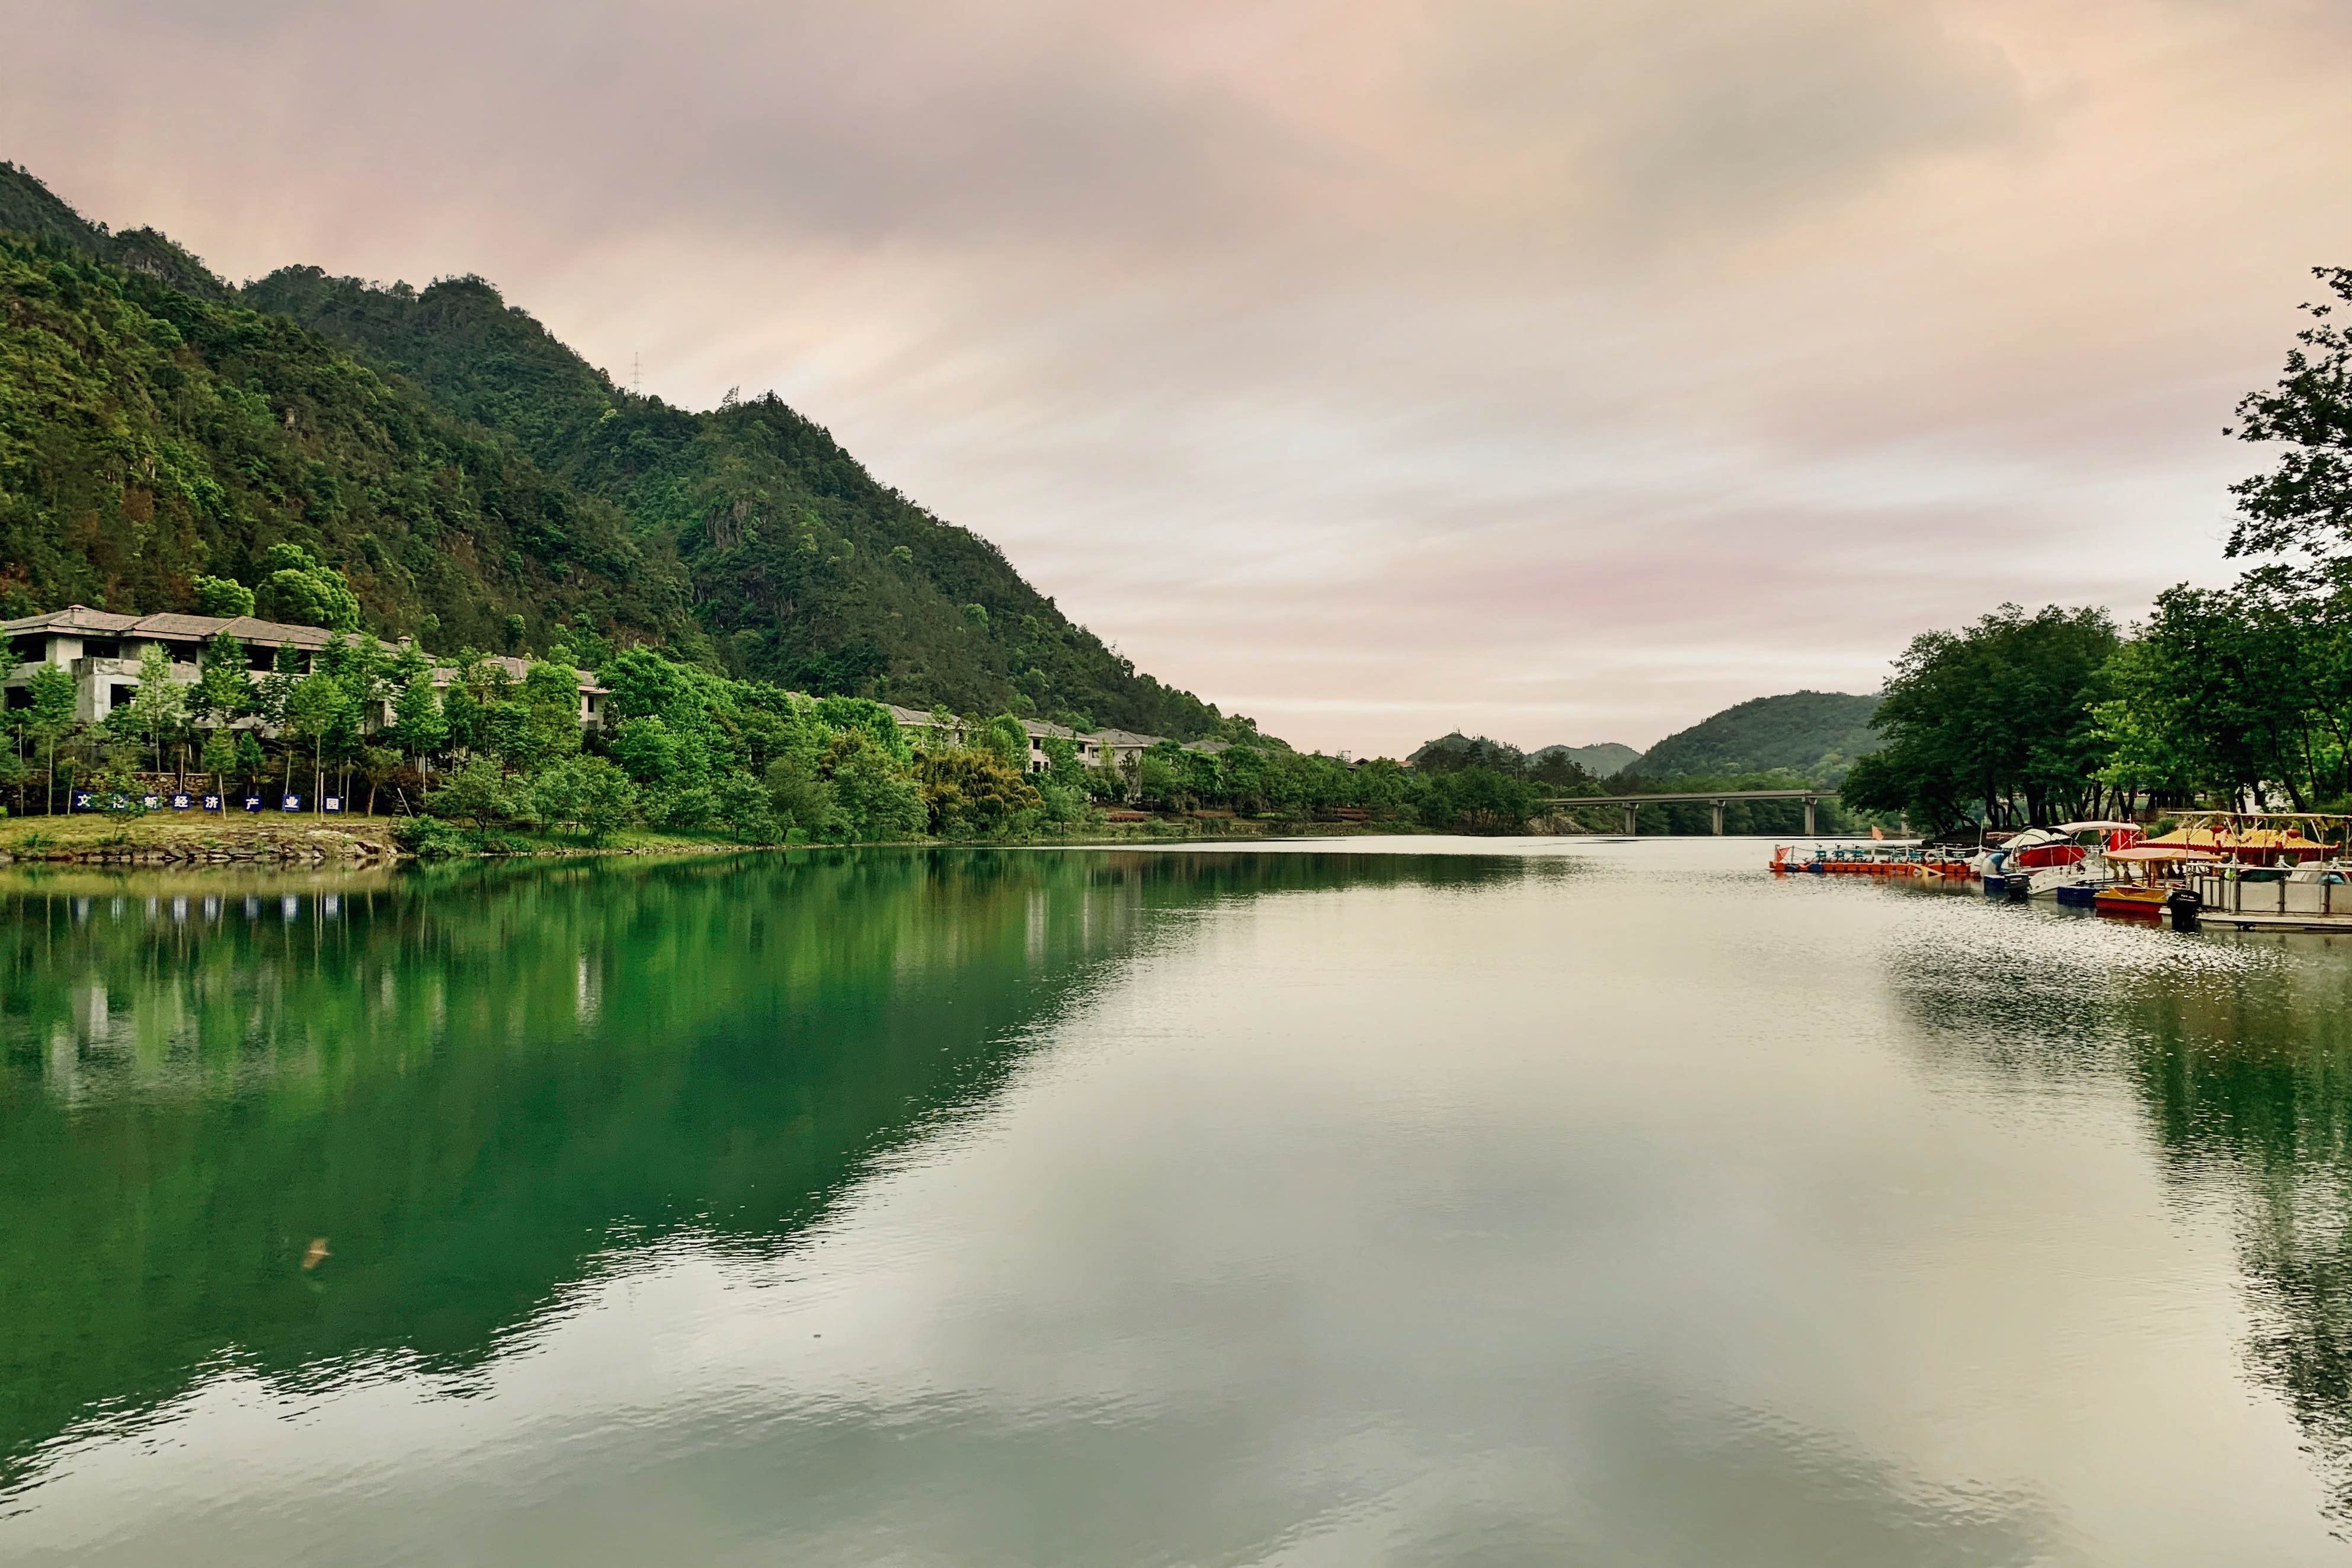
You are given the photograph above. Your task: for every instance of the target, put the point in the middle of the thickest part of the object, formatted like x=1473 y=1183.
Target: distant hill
x=1601 y=760
x=480 y=483
x=1451 y=753
x=1815 y=733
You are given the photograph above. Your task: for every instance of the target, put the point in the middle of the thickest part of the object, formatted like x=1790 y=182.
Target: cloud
x=1651 y=122
x=1565 y=371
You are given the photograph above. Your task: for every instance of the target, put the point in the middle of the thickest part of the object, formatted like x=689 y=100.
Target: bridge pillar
x=1811 y=801
x=1718 y=819
x=1632 y=819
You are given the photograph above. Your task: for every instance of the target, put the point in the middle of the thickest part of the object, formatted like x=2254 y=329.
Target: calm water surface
x=1489 y=1202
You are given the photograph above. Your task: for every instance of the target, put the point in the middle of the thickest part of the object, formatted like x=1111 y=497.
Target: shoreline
x=361 y=842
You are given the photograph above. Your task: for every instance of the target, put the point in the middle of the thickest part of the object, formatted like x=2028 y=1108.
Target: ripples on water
x=1516 y=1201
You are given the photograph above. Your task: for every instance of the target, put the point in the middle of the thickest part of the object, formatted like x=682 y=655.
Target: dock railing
x=2236 y=895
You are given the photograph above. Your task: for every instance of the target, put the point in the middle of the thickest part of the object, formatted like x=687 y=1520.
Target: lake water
x=1431 y=1201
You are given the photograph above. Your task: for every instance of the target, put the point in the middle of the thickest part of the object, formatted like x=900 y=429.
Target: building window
x=101 y=647
x=121 y=694
x=20 y=697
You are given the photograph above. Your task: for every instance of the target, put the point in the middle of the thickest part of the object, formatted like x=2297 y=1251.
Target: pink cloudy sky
x=1560 y=371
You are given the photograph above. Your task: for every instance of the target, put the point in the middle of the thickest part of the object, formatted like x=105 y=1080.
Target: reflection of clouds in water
x=1647 y=1478
x=688 y=1461
x=2238 y=1052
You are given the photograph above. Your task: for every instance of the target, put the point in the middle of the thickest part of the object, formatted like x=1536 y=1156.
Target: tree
x=1063 y=768
x=875 y=799
x=316 y=707
x=377 y=764
x=640 y=684
x=1158 y=778
x=249 y=760
x=475 y=792
x=219 y=757
x=160 y=704
x=224 y=689
x=801 y=799
x=50 y=715
x=1008 y=738
x=586 y=793
x=464 y=713
x=296 y=587
x=647 y=749
x=974 y=791
x=2218 y=693
x=1481 y=799
x=2305 y=503
x=224 y=596
x=419 y=727
x=1995 y=721
x=549 y=725
x=745 y=809
x=862 y=713
x=272 y=693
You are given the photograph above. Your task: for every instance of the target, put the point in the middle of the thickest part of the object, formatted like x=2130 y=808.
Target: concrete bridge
x=1631 y=804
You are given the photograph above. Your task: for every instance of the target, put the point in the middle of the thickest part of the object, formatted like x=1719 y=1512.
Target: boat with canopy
x=2150 y=875
x=2271 y=870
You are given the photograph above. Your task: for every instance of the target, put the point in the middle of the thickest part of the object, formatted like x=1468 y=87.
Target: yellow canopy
x=2157 y=850
x=2274 y=840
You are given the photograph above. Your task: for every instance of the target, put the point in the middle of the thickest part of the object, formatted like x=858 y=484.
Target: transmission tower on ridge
x=637 y=375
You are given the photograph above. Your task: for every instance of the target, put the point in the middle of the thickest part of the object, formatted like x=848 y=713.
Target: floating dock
x=2234 y=902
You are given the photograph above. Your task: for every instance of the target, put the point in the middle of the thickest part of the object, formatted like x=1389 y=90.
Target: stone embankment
x=129 y=845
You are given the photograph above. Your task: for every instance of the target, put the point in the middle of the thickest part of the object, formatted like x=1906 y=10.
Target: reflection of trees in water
x=478 y=1081
x=2256 y=1081
x=2241 y=1053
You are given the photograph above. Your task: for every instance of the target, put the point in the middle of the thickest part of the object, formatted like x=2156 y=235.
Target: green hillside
x=1816 y=734
x=148 y=433
x=1600 y=760
x=456 y=461
x=805 y=569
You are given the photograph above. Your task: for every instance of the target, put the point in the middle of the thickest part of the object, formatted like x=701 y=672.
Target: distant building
x=102 y=651
x=1117 y=748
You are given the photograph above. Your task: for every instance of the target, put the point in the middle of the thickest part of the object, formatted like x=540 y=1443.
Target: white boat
x=2038 y=861
x=2078 y=881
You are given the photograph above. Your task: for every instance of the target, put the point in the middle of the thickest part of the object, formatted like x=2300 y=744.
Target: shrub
x=430 y=838
x=476 y=792
x=586 y=793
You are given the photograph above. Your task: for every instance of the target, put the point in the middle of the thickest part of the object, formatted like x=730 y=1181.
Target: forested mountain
x=148 y=435
x=446 y=453
x=1600 y=760
x=1817 y=735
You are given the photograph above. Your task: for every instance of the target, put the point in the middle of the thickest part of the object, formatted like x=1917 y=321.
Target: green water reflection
x=474 y=1083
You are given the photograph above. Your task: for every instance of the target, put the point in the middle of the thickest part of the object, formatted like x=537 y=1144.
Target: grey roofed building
x=101 y=650
x=1096 y=748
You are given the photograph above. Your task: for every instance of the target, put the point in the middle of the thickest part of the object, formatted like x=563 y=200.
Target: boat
x=2021 y=854
x=2273 y=870
x=2151 y=874
x=1875 y=859
x=2268 y=838
x=2075 y=879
